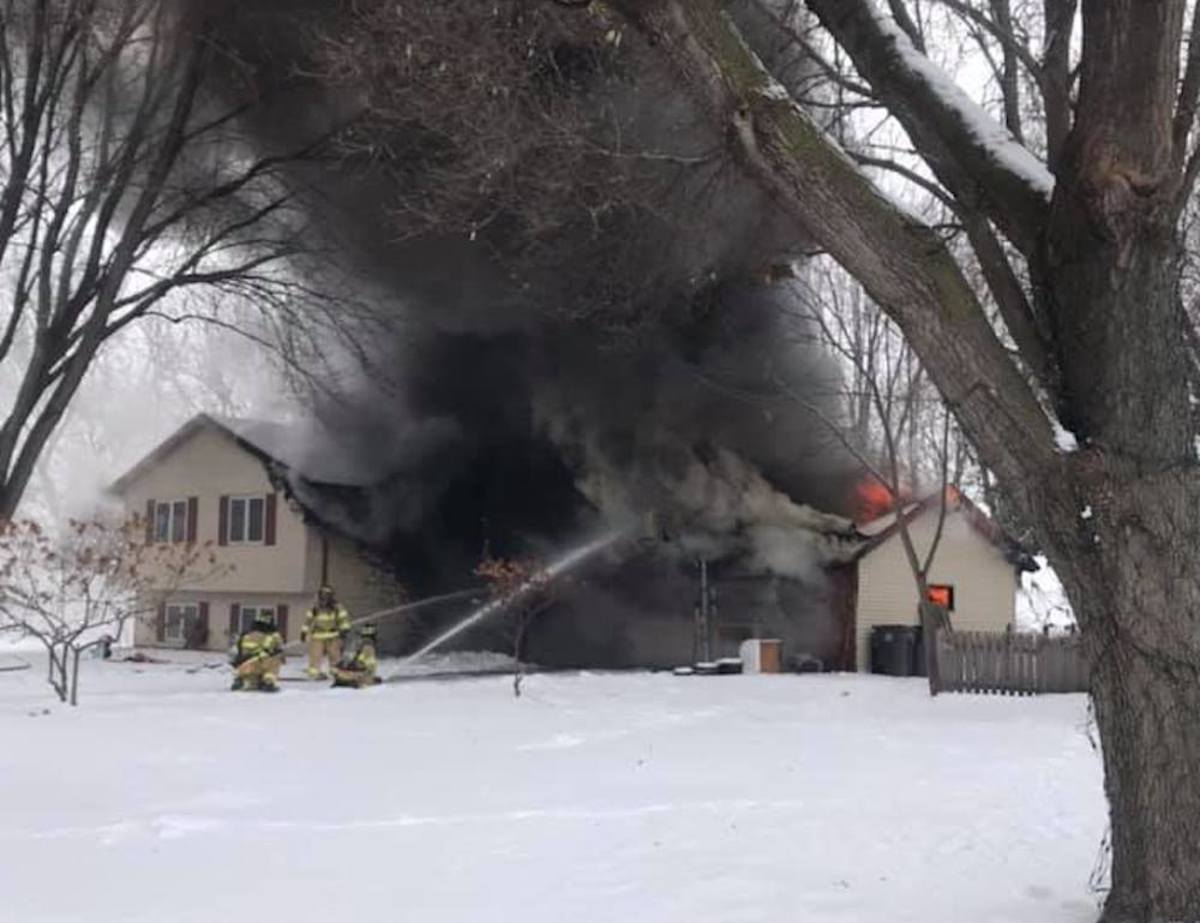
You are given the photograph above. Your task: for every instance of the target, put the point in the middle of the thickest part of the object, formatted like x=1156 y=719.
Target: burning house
x=566 y=337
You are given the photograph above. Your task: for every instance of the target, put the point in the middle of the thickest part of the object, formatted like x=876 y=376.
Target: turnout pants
x=355 y=678
x=319 y=649
x=260 y=672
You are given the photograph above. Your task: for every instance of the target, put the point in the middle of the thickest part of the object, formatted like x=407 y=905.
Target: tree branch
x=1189 y=91
x=1059 y=19
x=1031 y=338
x=905 y=22
x=902 y=264
x=972 y=156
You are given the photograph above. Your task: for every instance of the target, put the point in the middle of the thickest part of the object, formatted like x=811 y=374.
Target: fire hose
x=399 y=610
x=564 y=563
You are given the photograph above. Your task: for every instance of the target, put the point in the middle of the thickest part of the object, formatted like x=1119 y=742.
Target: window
x=178 y=617
x=247 y=518
x=942 y=594
x=249 y=613
x=171 y=521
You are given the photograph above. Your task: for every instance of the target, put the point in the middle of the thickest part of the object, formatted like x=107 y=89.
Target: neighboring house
x=234 y=483
x=976 y=571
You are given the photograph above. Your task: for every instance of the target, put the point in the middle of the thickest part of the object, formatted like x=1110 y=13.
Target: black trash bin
x=920 y=668
x=893 y=649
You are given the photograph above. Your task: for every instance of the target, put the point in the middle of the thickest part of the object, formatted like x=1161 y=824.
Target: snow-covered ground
x=593 y=797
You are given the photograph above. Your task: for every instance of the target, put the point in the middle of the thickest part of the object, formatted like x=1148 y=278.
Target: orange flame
x=873 y=499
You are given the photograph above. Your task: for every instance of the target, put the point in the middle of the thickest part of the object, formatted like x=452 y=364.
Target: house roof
x=290 y=446
x=884 y=527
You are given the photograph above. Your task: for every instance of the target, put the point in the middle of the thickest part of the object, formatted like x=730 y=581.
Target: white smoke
x=720 y=506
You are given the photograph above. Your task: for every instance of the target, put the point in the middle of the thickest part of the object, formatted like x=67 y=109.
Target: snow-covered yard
x=164 y=798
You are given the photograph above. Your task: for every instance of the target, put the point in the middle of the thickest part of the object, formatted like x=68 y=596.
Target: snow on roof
x=990 y=135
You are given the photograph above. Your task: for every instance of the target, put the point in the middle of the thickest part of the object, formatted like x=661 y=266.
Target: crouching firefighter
x=358 y=668
x=325 y=627
x=257 y=656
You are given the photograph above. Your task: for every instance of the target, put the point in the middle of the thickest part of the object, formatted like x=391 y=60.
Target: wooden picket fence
x=1010 y=664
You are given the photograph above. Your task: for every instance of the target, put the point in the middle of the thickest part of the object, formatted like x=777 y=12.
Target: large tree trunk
x=1128 y=560
x=1147 y=715
x=1120 y=518
x=1126 y=537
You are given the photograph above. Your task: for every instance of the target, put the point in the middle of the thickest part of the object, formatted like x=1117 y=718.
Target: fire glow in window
x=942 y=594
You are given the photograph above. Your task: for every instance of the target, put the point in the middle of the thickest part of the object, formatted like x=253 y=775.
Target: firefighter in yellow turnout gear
x=358 y=668
x=325 y=625
x=257 y=656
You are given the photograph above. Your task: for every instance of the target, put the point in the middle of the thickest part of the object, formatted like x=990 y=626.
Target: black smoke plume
x=584 y=332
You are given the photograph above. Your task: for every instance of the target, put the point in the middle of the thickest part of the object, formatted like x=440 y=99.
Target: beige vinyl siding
x=209 y=465
x=360 y=587
x=219 y=638
x=984 y=582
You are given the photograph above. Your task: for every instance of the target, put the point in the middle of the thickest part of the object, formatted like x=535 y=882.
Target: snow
x=1064 y=439
x=1042 y=601
x=593 y=798
x=775 y=90
x=1086 y=512
x=989 y=134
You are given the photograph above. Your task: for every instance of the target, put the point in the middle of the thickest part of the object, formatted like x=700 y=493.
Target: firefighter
x=358 y=669
x=325 y=627
x=257 y=655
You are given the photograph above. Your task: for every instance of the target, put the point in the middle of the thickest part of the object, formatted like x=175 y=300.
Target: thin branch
x=1189 y=91
x=998 y=176
x=912 y=176
x=905 y=21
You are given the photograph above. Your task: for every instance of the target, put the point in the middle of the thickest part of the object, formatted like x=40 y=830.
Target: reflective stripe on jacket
x=256 y=644
x=324 y=624
x=366 y=659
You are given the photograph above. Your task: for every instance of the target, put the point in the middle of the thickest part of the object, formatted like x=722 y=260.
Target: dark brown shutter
x=281 y=614
x=269 y=525
x=192 y=513
x=235 y=616
x=223 y=522
x=149 y=522
x=202 y=627
x=160 y=622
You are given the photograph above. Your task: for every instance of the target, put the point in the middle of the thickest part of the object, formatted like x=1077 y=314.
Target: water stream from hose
x=569 y=560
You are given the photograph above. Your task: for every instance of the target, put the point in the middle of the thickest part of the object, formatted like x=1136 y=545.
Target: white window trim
x=183 y=611
x=245 y=619
x=170 y=505
x=246 y=498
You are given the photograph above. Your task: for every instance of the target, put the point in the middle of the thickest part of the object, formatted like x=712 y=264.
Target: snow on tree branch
x=996 y=141
x=970 y=153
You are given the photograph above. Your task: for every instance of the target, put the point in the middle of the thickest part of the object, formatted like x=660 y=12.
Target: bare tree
x=80 y=590
x=900 y=434
x=125 y=193
x=526 y=591
x=1075 y=389
x=506 y=126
